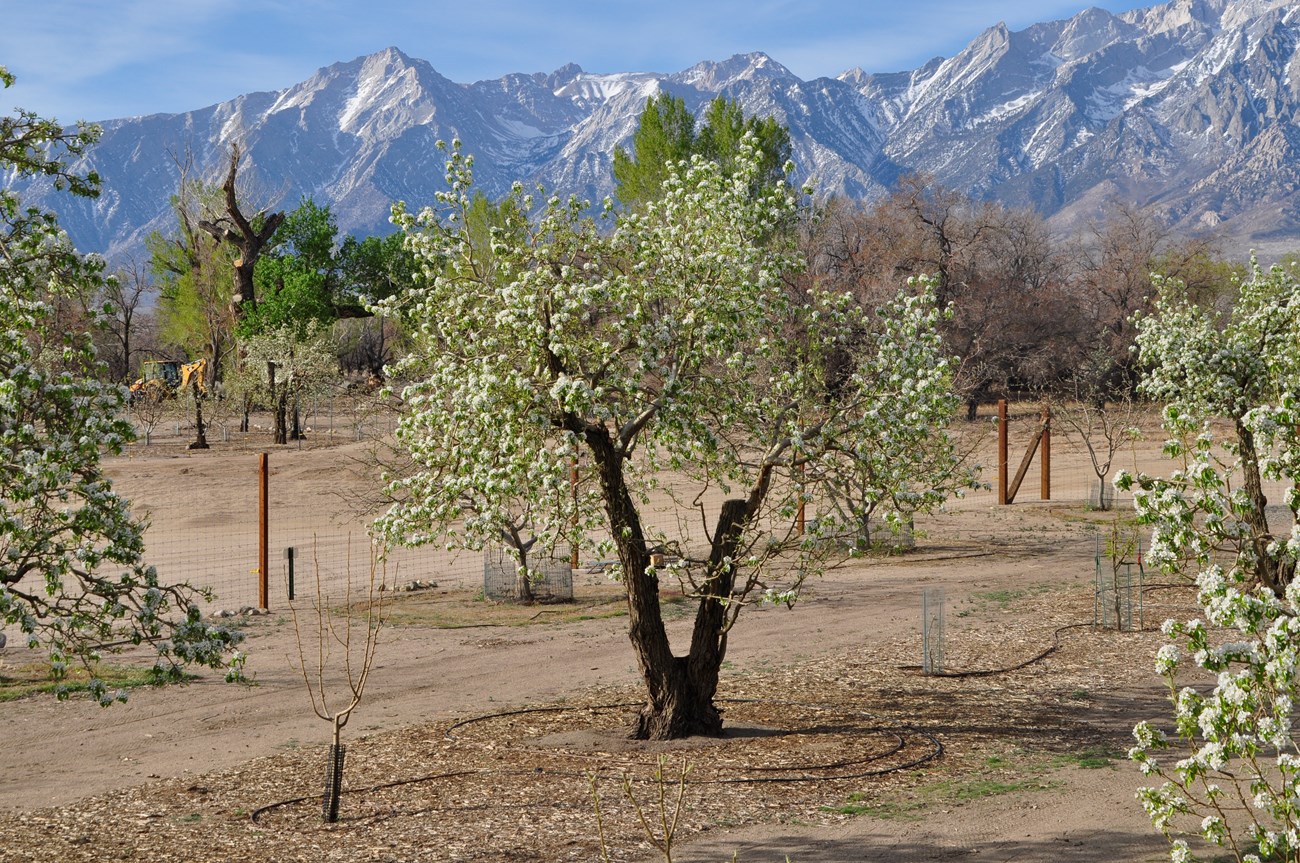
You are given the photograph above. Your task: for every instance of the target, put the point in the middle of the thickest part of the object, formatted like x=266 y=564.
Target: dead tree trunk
x=238 y=230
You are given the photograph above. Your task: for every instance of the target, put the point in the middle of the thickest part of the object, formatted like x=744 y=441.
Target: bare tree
x=126 y=322
x=1013 y=322
x=338 y=649
x=249 y=236
x=1103 y=425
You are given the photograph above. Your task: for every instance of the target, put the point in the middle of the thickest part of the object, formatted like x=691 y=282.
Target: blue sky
x=100 y=59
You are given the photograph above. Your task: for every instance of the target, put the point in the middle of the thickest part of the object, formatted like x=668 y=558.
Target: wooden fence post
x=1002 y=452
x=1046 y=490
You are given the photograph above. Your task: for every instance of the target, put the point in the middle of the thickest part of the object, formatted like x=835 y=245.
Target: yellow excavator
x=165 y=378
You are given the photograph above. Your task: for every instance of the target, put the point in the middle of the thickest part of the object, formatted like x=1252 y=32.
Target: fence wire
x=212 y=540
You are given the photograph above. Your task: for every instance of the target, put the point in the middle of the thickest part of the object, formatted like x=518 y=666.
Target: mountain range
x=1188 y=108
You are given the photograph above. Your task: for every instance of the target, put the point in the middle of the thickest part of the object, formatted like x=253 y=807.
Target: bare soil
x=506 y=741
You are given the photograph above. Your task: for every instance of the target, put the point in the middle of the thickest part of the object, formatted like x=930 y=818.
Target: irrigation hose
x=988 y=672
x=935 y=751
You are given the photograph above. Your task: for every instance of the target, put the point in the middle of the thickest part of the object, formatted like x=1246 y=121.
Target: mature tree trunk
x=200 y=429
x=679 y=689
x=1272 y=573
x=281 y=412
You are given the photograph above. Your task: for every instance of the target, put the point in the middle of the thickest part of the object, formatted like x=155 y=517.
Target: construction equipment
x=195 y=374
x=165 y=378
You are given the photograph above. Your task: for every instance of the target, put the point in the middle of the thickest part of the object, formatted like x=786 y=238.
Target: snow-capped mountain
x=1189 y=107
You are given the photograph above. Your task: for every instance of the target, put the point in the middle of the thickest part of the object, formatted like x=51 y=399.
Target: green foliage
x=374 y=268
x=666 y=136
x=195 y=278
x=72 y=577
x=725 y=126
x=303 y=355
x=297 y=275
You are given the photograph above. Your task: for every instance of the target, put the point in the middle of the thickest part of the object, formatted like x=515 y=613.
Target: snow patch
x=520 y=130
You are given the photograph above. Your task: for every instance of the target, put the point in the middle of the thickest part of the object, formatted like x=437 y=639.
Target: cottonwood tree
x=1116 y=260
x=1236 y=789
x=247 y=235
x=1012 y=322
x=655 y=346
x=193 y=273
x=72 y=571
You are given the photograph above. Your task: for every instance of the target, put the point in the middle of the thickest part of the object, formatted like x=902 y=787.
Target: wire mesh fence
x=203 y=509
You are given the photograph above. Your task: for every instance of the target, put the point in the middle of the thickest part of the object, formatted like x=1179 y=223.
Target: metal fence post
x=263 y=534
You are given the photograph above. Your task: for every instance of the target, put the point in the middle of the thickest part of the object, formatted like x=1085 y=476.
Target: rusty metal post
x=1046 y=490
x=1002 y=452
x=264 y=534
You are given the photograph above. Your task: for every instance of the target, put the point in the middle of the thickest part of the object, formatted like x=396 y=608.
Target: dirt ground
x=504 y=742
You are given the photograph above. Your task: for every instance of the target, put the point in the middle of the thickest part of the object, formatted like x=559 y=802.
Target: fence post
x=1046 y=490
x=289 y=556
x=1002 y=452
x=263 y=534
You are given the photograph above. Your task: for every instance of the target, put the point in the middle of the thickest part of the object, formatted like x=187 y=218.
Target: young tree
x=896 y=459
x=650 y=348
x=1104 y=421
x=286 y=365
x=72 y=575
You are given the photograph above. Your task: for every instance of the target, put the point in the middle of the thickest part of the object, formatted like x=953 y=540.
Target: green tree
x=725 y=126
x=374 y=268
x=298 y=273
x=194 y=275
x=666 y=135
x=652 y=347
x=72 y=574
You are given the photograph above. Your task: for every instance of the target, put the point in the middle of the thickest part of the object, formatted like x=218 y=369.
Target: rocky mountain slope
x=1188 y=107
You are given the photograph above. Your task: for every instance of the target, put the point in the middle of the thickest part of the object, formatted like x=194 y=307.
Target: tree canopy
x=667 y=135
x=72 y=574
x=668 y=344
x=1232 y=785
